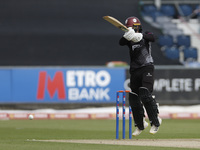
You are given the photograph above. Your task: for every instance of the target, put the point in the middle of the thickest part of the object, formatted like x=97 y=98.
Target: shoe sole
x=142 y=130
x=153 y=133
x=158 y=128
x=137 y=134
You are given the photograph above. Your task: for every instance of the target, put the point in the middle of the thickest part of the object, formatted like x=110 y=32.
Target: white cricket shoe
x=138 y=131
x=155 y=129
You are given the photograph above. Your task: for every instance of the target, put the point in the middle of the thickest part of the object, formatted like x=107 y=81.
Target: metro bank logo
x=51 y=85
x=74 y=85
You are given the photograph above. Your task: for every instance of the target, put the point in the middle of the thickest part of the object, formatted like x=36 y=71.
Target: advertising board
x=60 y=85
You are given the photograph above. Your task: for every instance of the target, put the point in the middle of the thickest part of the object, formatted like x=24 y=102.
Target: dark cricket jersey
x=140 y=52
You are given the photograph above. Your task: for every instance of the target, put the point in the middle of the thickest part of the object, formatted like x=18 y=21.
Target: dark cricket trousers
x=142 y=77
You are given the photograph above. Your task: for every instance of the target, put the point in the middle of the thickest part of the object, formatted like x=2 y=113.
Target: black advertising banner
x=176 y=85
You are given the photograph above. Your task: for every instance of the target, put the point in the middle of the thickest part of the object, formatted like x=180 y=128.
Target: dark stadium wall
x=65 y=32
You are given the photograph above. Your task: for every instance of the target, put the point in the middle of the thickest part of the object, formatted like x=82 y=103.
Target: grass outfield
x=19 y=134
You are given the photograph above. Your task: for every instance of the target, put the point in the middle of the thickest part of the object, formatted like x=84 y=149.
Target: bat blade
x=116 y=23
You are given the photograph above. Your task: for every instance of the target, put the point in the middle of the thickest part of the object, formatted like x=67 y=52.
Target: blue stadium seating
x=147 y=9
x=173 y=41
x=190 y=53
x=172 y=53
x=198 y=8
x=183 y=40
x=174 y=33
x=168 y=10
x=186 y=9
x=155 y=14
x=166 y=40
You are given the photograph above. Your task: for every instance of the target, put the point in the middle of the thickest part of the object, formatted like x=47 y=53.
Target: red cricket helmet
x=134 y=22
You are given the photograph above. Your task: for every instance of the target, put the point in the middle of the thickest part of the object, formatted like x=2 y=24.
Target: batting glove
x=137 y=37
x=129 y=34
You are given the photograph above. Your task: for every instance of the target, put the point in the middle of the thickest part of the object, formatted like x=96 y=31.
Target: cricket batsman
x=142 y=76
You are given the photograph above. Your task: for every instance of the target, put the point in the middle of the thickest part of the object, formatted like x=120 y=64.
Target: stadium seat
x=174 y=33
x=172 y=53
x=186 y=9
x=147 y=9
x=183 y=40
x=156 y=14
x=197 y=10
x=166 y=40
x=190 y=53
x=168 y=10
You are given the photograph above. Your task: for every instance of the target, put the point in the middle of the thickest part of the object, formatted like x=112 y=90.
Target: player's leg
x=145 y=94
x=138 y=113
x=136 y=105
x=150 y=105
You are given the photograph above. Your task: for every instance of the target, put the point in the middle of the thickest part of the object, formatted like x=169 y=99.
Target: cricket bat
x=116 y=23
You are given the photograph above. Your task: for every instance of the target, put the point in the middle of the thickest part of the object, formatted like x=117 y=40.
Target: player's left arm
x=149 y=36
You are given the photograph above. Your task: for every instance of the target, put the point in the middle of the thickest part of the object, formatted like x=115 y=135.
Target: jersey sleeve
x=149 y=36
x=123 y=41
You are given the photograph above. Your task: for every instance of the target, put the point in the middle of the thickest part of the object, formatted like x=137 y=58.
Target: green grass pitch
x=19 y=134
